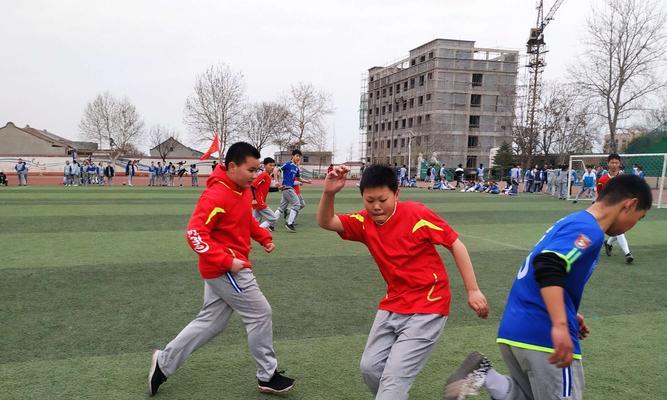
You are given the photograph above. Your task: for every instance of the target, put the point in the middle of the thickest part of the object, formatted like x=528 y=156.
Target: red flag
x=215 y=146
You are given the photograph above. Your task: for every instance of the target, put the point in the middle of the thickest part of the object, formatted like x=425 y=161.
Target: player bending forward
x=541 y=327
x=401 y=237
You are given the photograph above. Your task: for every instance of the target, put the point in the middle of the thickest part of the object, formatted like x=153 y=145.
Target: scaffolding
x=363 y=117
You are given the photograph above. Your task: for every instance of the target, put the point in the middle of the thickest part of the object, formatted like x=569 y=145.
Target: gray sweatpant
x=265 y=217
x=532 y=377
x=397 y=349
x=222 y=296
x=289 y=201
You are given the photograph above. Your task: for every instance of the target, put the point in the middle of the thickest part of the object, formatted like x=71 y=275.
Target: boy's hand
x=583 y=327
x=237 y=265
x=335 y=180
x=563 y=347
x=254 y=202
x=269 y=247
x=477 y=302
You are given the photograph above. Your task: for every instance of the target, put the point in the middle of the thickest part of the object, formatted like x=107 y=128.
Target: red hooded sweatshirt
x=222 y=224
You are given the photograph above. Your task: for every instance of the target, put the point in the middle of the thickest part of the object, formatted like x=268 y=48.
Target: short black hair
x=627 y=186
x=296 y=151
x=377 y=176
x=613 y=156
x=269 y=160
x=239 y=151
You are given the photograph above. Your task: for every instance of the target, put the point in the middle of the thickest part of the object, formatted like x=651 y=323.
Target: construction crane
x=536 y=50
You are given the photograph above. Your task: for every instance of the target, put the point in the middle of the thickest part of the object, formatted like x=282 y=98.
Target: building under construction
x=448 y=102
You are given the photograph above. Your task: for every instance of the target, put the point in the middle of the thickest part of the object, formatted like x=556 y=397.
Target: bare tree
x=656 y=115
x=162 y=140
x=625 y=45
x=308 y=106
x=216 y=105
x=114 y=122
x=265 y=123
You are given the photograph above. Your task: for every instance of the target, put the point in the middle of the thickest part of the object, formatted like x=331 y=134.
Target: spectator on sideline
x=109 y=172
x=22 y=172
x=194 y=174
x=3 y=179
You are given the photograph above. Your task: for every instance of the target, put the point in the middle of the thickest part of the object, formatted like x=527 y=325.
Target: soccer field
x=93 y=279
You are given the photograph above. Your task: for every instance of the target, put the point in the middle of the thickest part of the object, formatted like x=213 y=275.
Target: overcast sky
x=58 y=55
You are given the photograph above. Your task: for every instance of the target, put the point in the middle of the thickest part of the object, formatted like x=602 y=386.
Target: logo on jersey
x=583 y=242
x=198 y=245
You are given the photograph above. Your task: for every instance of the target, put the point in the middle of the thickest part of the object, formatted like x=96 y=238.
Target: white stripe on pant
x=221 y=298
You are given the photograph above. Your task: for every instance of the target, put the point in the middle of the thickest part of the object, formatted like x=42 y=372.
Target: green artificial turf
x=93 y=279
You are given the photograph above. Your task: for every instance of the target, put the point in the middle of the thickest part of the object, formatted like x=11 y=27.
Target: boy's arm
x=261 y=236
x=476 y=299
x=333 y=183
x=560 y=333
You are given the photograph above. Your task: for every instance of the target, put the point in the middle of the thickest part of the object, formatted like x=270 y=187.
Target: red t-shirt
x=602 y=182
x=260 y=187
x=404 y=250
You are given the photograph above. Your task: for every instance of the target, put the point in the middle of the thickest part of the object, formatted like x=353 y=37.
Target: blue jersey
x=577 y=239
x=290 y=173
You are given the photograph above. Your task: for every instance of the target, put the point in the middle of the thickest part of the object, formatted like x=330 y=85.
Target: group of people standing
x=87 y=173
x=170 y=174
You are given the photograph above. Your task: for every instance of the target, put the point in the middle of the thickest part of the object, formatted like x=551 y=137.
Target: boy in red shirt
x=614 y=170
x=401 y=237
x=219 y=231
x=260 y=190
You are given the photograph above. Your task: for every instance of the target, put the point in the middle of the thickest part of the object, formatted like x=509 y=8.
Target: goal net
x=652 y=166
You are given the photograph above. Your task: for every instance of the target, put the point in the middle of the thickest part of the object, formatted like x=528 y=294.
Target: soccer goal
x=653 y=167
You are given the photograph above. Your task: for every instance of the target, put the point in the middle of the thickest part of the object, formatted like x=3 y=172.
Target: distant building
x=447 y=100
x=654 y=141
x=310 y=159
x=622 y=139
x=172 y=148
x=21 y=142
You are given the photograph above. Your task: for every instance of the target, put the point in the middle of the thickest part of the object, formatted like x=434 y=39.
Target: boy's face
x=269 y=168
x=380 y=203
x=614 y=165
x=296 y=158
x=243 y=174
x=627 y=217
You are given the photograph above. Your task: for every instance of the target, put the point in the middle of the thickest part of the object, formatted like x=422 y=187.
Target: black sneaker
x=155 y=375
x=290 y=228
x=277 y=385
x=629 y=258
x=467 y=380
x=607 y=248
x=271 y=228
x=574 y=202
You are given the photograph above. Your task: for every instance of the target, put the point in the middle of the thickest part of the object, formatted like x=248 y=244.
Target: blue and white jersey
x=589 y=179
x=290 y=173
x=576 y=239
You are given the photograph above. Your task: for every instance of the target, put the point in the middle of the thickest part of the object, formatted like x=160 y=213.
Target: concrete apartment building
x=448 y=101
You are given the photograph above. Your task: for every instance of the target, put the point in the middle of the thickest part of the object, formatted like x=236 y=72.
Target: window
x=422 y=58
x=382 y=127
x=477 y=79
x=430 y=55
x=474 y=121
x=370 y=111
x=473 y=141
x=391 y=90
x=375 y=144
x=403 y=142
x=412 y=102
x=419 y=120
x=398 y=88
x=430 y=76
x=471 y=161
x=389 y=108
x=403 y=123
x=428 y=96
x=396 y=124
x=410 y=122
x=377 y=127
x=405 y=105
x=370 y=128
x=421 y=80
x=475 y=100
x=395 y=143
x=413 y=62
x=427 y=117
x=405 y=85
x=372 y=78
x=412 y=83
x=384 y=92
x=377 y=110
x=420 y=100
x=426 y=139
x=388 y=143
x=369 y=144
x=383 y=109
x=377 y=94
x=370 y=95
x=305 y=159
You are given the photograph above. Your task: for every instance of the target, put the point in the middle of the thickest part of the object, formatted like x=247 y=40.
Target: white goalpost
x=653 y=166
